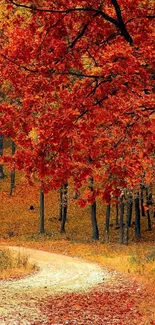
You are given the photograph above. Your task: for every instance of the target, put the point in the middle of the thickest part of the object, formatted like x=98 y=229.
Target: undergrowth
x=14 y=265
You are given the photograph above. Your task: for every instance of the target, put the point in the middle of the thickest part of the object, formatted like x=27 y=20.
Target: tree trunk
x=95 y=235
x=2 y=175
x=130 y=208
x=42 y=229
x=107 y=222
x=116 y=214
x=128 y=217
x=148 y=202
x=95 y=231
x=64 y=207
x=137 y=216
x=121 y=237
x=142 y=201
x=149 y=220
x=12 y=175
x=60 y=204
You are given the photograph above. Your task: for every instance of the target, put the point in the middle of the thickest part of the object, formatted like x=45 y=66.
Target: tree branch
x=80 y=74
x=67 y=11
x=121 y=23
x=98 y=12
x=48 y=30
x=20 y=66
x=79 y=35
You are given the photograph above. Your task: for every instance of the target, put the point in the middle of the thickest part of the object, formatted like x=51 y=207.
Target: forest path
x=58 y=274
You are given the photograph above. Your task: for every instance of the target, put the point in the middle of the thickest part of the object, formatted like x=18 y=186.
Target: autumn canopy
x=79 y=96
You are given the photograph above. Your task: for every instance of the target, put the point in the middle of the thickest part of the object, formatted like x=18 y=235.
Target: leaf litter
x=41 y=300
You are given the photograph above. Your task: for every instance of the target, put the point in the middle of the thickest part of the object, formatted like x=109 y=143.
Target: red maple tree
x=81 y=98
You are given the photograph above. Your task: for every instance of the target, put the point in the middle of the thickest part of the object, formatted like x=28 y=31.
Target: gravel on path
x=58 y=274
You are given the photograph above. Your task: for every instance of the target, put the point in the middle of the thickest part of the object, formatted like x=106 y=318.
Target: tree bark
x=95 y=235
x=2 y=175
x=95 y=231
x=12 y=175
x=137 y=216
x=149 y=220
x=60 y=203
x=142 y=200
x=130 y=208
x=121 y=237
x=64 y=207
x=148 y=202
x=107 y=222
x=42 y=228
x=117 y=214
x=128 y=217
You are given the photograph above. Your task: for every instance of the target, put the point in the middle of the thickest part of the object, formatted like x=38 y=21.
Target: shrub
x=14 y=265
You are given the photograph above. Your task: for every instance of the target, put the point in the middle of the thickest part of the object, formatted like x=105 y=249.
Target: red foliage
x=81 y=91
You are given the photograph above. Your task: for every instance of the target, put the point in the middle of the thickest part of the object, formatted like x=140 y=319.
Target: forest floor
x=57 y=274
x=67 y=291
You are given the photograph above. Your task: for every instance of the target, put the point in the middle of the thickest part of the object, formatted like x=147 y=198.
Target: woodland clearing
x=127 y=298
x=20 y=226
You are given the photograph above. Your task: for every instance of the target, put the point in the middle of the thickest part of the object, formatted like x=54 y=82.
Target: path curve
x=57 y=274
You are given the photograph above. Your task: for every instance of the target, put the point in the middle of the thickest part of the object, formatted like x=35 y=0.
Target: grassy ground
x=13 y=265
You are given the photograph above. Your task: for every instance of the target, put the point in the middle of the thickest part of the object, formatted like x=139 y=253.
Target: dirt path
x=19 y=300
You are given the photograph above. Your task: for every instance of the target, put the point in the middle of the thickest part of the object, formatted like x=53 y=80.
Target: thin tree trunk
x=128 y=218
x=2 y=175
x=130 y=208
x=107 y=223
x=142 y=201
x=42 y=229
x=149 y=220
x=64 y=207
x=12 y=175
x=148 y=202
x=117 y=214
x=95 y=235
x=60 y=204
x=121 y=237
x=137 y=216
x=95 y=231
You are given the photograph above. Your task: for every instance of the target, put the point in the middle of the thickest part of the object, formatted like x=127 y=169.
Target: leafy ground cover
x=112 y=305
x=116 y=301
